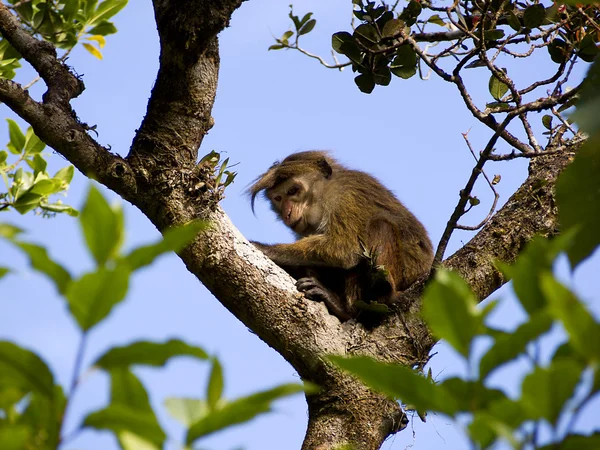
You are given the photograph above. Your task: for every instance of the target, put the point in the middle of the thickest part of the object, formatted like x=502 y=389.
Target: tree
x=151 y=179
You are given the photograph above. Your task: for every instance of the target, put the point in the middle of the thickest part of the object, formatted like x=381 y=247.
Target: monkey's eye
x=277 y=199
x=292 y=190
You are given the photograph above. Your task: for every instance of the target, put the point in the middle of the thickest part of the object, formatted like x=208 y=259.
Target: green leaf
x=148 y=353
x=578 y=198
x=583 y=330
x=17 y=138
x=126 y=389
x=39 y=165
x=239 y=411
x=471 y=395
x=576 y=441
x=104 y=28
x=3 y=271
x=558 y=50
x=93 y=296
x=450 y=309
x=23 y=368
x=45 y=187
x=214 y=390
x=547 y=122
x=65 y=175
x=392 y=28
x=497 y=88
x=174 y=239
x=437 y=20
x=120 y=418
x=9 y=231
x=131 y=441
x=508 y=346
x=400 y=382
x=365 y=83
x=106 y=10
x=102 y=227
x=513 y=21
x=537 y=259
x=186 y=410
x=33 y=144
x=367 y=33
x=14 y=437
x=307 y=27
x=276 y=47
x=546 y=390
x=27 y=202
x=40 y=261
x=493 y=35
x=338 y=39
x=534 y=16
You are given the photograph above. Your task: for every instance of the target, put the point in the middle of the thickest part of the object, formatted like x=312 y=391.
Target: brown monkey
x=337 y=214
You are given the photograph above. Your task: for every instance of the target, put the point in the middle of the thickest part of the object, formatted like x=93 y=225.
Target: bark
x=161 y=177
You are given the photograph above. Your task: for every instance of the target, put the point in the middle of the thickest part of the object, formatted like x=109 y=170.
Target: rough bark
x=160 y=176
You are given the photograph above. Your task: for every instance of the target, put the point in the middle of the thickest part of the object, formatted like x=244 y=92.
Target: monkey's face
x=295 y=202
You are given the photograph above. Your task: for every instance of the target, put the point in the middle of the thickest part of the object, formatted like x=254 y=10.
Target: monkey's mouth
x=295 y=224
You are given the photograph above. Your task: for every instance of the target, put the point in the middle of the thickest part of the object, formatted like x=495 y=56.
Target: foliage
x=551 y=394
x=31 y=190
x=64 y=23
x=33 y=405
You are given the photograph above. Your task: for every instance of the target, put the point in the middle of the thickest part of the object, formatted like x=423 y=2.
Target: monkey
x=355 y=240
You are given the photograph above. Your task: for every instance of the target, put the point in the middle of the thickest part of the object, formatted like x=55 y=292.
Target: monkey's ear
x=324 y=167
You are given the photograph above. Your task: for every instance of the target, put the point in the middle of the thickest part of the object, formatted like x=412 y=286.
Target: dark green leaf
x=546 y=390
x=338 y=39
x=365 y=83
x=547 y=122
x=23 y=368
x=367 y=34
x=437 y=20
x=588 y=49
x=118 y=418
x=40 y=261
x=471 y=395
x=576 y=441
x=493 y=35
x=103 y=28
x=450 y=309
x=307 y=27
x=511 y=345
x=276 y=47
x=513 y=21
x=3 y=271
x=27 y=202
x=174 y=239
x=578 y=196
x=148 y=353
x=102 y=227
x=239 y=411
x=393 y=28
x=583 y=330
x=534 y=16
x=214 y=390
x=400 y=382
x=382 y=76
x=558 y=51
x=93 y=296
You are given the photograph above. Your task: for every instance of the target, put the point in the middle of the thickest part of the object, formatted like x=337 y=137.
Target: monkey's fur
x=356 y=241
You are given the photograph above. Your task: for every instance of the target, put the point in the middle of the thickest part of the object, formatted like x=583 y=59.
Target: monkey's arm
x=312 y=251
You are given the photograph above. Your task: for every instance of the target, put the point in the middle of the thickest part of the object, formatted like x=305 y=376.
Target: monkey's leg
x=314 y=290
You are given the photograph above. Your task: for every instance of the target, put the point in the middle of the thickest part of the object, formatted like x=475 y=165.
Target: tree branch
x=62 y=84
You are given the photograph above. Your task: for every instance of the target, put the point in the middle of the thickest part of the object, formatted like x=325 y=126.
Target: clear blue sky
x=268 y=105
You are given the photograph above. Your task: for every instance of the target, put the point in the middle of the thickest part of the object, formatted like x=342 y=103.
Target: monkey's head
x=295 y=189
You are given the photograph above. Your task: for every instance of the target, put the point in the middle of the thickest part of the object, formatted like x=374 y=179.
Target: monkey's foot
x=314 y=290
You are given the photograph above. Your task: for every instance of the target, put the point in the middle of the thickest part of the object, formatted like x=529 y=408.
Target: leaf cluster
x=28 y=190
x=33 y=405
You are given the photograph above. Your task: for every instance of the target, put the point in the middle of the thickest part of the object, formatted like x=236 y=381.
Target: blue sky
x=269 y=104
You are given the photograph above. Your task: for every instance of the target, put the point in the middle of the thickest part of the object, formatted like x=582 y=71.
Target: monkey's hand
x=314 y=290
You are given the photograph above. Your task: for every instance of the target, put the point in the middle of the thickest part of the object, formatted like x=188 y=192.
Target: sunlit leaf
x=186 y=410
x=450 y=309
x=93 y=296
x=40 y=261
x=215 y=384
